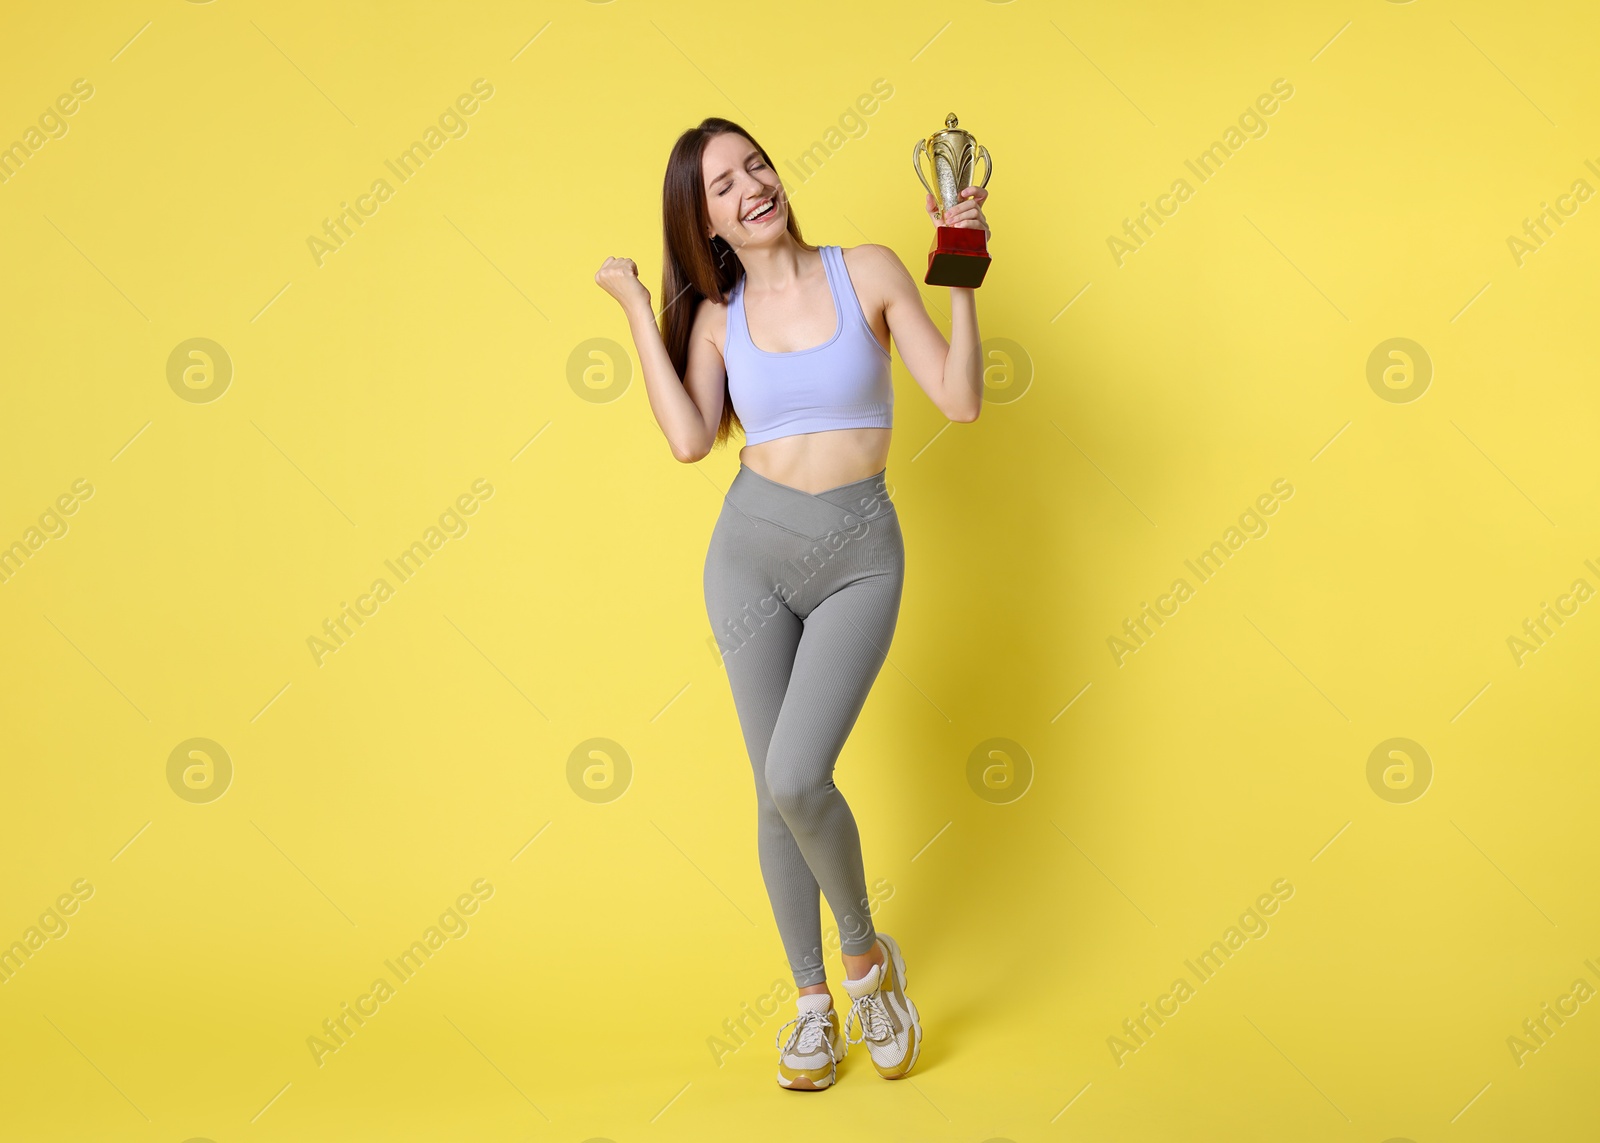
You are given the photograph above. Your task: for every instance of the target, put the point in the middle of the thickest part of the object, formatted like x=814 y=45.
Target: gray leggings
x=803 y=591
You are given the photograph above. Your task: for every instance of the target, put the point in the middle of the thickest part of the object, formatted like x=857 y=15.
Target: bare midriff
x=816 y=462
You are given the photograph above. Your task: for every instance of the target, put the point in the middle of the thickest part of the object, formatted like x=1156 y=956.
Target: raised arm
x=688 y=409
x=950 y=373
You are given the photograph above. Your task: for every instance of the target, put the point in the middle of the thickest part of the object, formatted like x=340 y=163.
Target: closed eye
x=726 y=189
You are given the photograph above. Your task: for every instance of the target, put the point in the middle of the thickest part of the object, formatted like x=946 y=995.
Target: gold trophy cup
x=960 y=254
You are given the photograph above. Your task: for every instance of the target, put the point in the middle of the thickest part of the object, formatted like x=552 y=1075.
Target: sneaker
x=884 y=1014
x=808 y=1060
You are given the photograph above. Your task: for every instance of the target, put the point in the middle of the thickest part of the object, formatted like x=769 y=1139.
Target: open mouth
x=765 y=213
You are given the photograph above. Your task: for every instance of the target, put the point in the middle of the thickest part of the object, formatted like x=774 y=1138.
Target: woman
x=804 y=572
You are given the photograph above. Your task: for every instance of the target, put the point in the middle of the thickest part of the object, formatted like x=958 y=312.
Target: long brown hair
x=694 y=267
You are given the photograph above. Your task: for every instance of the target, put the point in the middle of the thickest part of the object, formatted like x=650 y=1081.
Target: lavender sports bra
x=841 y=384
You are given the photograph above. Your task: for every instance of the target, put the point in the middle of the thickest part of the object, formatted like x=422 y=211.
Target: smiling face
x=738 y=182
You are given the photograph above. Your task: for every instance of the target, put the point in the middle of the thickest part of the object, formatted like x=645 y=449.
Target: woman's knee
x=801 y=798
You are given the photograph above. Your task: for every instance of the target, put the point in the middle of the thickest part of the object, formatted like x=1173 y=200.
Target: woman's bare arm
x=950 y=373
x=687 y=409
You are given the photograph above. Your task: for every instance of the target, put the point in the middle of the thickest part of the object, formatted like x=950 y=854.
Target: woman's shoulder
x=876 y=275
x=873 y=261
x=861 y=250
x=711 y=321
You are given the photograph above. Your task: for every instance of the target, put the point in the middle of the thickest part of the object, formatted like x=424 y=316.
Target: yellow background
x=1165 y=795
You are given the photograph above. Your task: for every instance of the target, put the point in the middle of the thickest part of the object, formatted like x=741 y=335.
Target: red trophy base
x=960 y=257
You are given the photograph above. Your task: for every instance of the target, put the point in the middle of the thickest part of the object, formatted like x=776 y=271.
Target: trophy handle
x=916 y=165
x=988 y=167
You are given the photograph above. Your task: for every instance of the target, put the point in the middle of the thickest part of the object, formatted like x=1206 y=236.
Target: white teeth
x=771 y=205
